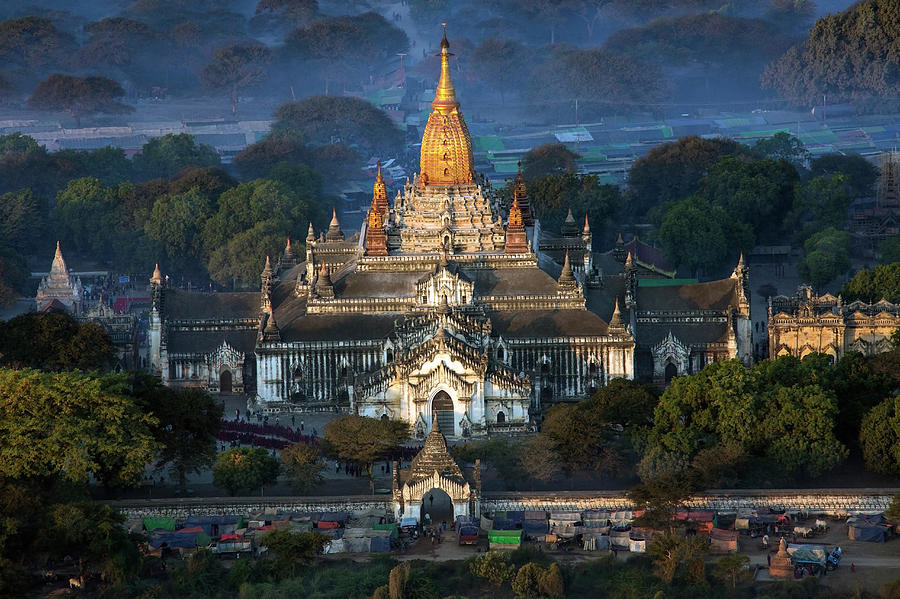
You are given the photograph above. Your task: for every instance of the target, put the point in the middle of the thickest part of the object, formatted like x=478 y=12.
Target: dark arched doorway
x=501 y=418
x=437 y=504
x=671 y=372
x=442 y=405
x=225 y=382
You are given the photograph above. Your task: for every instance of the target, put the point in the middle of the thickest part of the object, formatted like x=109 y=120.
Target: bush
x=492 y=566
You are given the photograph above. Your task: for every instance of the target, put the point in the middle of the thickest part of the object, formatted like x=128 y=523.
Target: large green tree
x=826 y=255
x=235 y=68
x=852 y=55
x=67 y=425
x=303 y=465
x=322 y=120
x=55 y=342
x=79 y=96
x=699 y=236
x=498 y=63
x=244 y=470
x=547 y=159
x=672 y=171
x=772 y=419
x=879 y=437
x=363 y=440
x=871 y=285
x=552 y=196
x=166 y=156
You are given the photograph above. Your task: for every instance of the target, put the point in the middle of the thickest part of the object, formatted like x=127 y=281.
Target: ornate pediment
x=446 y=281
x=671 y=347
x=226 y=355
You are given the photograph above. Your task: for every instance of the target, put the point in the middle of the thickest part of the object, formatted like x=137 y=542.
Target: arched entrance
x=671 y=372
x=442 y=406
x=225 y=381
x=438 y=505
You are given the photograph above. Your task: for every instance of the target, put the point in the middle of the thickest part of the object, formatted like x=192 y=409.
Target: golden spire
x=445 y=95
x=515 y=214
x=446 y=155
x=157 y=275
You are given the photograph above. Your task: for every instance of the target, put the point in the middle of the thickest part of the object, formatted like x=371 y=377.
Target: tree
x=95 y=533
x=293 y=549
x=755 y=192
x=782 y=146
x=835 y=59
x=363 y=440
x=493 y=566
x=54 y=342
x=19 y=214
x=297 y=12
x=526 y=583
x=661 y=497
x=672 y=171
x=235 y=68
x=879 y=437
x=89 y=429
x=32 y=46
x=189 y=422
x=303 y=466
x=672 y=553
x=552 y=196
x=870 y=285
x=697 y=235
x=626 y=403
x=572 y=438
x=176 y=224
x=345 y=45
x=827 y=254
x=551 y=583
x=602 y=82
x=353 y=122
x=793 y=424
x=243 y=470
x=257 y=160
x=13 y=275
x=83 y=215
x=889 y=250
x=859 y=174
x=79 y=96
x=731 y=566
x=498 y=63
x=821 y=203
x=166 y=156
x=553 y=158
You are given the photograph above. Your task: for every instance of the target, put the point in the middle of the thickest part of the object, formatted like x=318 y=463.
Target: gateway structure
x=447 y=307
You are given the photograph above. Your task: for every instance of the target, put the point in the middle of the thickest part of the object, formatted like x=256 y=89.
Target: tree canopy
x=363 y=440
x=244 y=470
x=92 y=431
x=79 y=96
x=779 y=421
x=872 y=284
x=53 y=341
x=323 y=120
x=850 y=55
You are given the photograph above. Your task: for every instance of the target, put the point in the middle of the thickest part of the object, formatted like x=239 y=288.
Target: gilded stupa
x=444 y=197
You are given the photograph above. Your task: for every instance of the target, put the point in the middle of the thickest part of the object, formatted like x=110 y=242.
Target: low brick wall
x=826 y=501
x=215 y=506
x=834 y=502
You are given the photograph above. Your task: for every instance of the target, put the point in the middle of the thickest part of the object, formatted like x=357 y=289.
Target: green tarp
x=391 y=526
x=509 y=537
x=159 y=523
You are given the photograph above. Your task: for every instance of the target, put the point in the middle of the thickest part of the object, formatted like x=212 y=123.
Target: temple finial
x=157 y=275
x=445 y=94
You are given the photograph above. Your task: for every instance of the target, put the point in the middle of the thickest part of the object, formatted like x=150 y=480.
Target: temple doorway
x=225 y=382
x=437 y=504
x=442 y=405
x=671 y=372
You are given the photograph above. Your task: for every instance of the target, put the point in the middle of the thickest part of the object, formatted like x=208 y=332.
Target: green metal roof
x=818 y=137
x=489 y=143
x=665 y=282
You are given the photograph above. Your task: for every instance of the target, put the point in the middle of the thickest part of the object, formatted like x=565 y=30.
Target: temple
x=59 y=289
x=807 y=323
x=448 y=309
